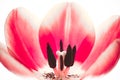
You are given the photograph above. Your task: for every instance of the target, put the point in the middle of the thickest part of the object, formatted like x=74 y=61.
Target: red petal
x=22 y=38
x=52 y=29
x=106 y=61
x=106 y=34
x=81 y=32
x=72 y=26
x=45 y=36
x=10 y=63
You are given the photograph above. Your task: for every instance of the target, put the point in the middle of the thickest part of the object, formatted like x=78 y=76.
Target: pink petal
x=81 y=32
x=13 y=65
x=22 y=38
x=71 y=25
x=46 y=37
x=106 y=61
x=106 y=34
x=52 y=29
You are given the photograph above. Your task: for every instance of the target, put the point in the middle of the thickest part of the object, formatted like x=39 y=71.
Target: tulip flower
x=65 y=42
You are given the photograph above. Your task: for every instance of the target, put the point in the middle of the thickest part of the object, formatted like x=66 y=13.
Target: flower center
x=65 y=60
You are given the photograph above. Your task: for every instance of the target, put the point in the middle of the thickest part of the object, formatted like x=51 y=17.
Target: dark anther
x=61 y=63
x=73 y=55
x=67 y=60
x=61 y=46
x=51 y=57
x=70 y=56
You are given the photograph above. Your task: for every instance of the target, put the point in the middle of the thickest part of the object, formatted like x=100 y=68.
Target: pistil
x=61 y=56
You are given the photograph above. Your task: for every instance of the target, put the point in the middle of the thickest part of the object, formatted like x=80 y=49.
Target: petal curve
x=106 y=34
x=106 y=61
x=11 y=64
x=22 y=38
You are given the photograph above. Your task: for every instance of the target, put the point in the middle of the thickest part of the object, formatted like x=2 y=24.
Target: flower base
x=51 y=76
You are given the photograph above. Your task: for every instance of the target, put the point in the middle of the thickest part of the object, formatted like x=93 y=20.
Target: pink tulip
x=66 y=38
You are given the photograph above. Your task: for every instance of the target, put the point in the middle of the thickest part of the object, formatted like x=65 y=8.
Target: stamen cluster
x=65 y=59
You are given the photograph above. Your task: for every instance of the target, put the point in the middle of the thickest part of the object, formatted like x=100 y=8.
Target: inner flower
x=59 y=68
x=65 y=59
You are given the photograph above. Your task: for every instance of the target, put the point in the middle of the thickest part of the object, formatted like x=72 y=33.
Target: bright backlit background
x=98 y=10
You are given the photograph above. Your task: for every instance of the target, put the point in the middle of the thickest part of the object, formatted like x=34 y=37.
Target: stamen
x=68 y=56
x=61 y=63
x=61 y=46
x=73 y=55
x=51 y=57
x=65 y=58
x=74 y=49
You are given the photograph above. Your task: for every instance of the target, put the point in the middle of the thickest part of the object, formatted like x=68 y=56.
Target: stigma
x=65 y=60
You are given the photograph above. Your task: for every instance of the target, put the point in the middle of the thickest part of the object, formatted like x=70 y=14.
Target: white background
x=99 y=10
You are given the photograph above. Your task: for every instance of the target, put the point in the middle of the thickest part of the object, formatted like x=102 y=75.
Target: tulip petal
x=106 y=61
x=45 y=37
x=11 y=64
x=22 y=38
x=81 y=33
x=72 y=26
x=52 y=29
x=105 y=35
